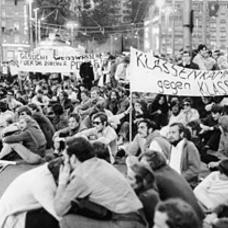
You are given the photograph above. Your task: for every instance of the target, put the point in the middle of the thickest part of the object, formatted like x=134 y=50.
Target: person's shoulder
x=190 y=145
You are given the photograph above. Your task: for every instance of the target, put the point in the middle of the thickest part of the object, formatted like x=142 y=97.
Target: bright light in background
x=159 y=3
x=72 y=25
x=52 y=36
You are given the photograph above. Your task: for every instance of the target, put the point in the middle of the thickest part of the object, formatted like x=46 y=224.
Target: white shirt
x=175 y=157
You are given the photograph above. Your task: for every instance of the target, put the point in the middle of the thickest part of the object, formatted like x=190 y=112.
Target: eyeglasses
x=186 y=104
x=96 y=123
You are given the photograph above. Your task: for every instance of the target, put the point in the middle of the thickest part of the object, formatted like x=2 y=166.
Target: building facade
x=14 y=28
x=164 y=30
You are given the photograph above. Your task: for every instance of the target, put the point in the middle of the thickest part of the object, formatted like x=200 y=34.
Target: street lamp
x=160 y=4
x=29 y=3
x=36 y=26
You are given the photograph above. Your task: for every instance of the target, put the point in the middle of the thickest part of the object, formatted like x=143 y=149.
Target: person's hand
x=212 y=165
x=129 y=109
x=64 y=173
x=204 y=128
x=159 y=111
x=209 y=220
x=56 y=134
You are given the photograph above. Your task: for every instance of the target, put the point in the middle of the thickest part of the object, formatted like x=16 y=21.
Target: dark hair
x=3 y=106
x=180 y=214
x=216 y=108
x=86 y=92
x=194 y=125
x=101 y=151
x=145 y=178
x=103 y=117
x=201 y=47
x=181 y=127
x=223 y=167
x=187 y=100
x=149 y=123
x=76 y=116
x=81 y=148
x=155 y=159
x=24 y=109
x=34 y=107
x=57 y=109
x=174 y=103
x=187 y=52
x=40 y=91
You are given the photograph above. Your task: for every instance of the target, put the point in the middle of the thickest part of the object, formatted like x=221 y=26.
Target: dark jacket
x=46 y=126
x=32 y=138
x=172 y=185
x=86 y=71
x=149 y=199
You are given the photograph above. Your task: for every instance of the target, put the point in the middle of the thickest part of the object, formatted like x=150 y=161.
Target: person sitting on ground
x=170 y=184
x=57 y=116
x=158 y=110
x=213 y=190
x=175 y=213
x=5 y=114
x=101 y=131
x=101 y=151
x=74 y=126
x=40 y=99
x=11 y=101
x=222 y=152
x=44 y=123
x=143 y=181
x=87 y=107
x=28 y=200
x=188 y=114
x=210 y=128
x=148 y=137
x=84 y=175
x=184 y=156
x=29 y=144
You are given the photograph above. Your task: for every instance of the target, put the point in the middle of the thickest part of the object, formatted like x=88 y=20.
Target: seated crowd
x=175 y=171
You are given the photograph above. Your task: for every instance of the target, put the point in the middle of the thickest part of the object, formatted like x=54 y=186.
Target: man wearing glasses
x=101 y=132
x=188 y=113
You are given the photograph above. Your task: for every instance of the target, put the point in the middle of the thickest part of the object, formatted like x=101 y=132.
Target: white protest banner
x=44 y=63
x=154 y=75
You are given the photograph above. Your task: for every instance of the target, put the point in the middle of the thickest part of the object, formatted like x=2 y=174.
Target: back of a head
x=180 y=214
x=81 y=148
x=23 y=109
x=144 y=174
x=155 y=159
x=57 y=109
x=101 y=151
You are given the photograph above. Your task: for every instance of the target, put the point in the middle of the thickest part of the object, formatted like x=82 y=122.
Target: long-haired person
x=29 y=143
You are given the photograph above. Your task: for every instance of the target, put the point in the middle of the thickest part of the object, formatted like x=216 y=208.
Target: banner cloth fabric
x=48 y=63
x=154 y=75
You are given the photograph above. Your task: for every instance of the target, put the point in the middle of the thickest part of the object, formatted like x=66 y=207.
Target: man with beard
x=184 y=156
x=148 y=138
